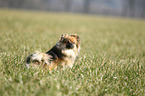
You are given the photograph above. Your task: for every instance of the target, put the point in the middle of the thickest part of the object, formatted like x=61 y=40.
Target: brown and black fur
x=62 y=54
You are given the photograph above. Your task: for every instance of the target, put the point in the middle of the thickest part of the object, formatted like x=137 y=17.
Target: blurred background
x=123 y=8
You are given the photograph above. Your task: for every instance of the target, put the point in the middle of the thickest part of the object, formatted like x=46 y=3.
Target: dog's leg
x=70 y=64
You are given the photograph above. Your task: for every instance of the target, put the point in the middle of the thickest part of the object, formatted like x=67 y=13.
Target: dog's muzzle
x=70 y=46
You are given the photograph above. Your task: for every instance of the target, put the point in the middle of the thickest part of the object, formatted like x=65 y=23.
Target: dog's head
x=69 y=41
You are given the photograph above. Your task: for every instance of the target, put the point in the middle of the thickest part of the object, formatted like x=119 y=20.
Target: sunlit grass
x=111 y=61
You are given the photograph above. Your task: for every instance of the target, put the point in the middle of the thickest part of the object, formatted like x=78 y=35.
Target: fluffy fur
x=63 y=54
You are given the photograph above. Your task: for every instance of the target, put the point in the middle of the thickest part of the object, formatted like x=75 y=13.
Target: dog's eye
x=70 y=42
x=73 y=42
x=65 y=41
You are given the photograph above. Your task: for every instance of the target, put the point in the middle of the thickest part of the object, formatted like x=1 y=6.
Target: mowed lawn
x=111 y=60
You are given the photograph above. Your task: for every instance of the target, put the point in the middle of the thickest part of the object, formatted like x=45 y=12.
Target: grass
x=111 y=61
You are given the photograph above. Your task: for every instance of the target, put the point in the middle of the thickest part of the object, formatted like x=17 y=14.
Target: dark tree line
x=130 y=8
x=134 y=8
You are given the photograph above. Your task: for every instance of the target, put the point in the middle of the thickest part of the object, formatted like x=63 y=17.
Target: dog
x=63 y=53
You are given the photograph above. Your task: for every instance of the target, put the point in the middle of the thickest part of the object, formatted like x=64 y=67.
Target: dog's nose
x=70 y=46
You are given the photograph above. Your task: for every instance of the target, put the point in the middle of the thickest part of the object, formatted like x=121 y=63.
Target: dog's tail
x=28 y=60
x=38 y=58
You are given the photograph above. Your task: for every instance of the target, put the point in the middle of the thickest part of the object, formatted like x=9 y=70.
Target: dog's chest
x=69 y=54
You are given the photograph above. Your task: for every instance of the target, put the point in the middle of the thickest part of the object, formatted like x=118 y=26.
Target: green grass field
x=111 y=61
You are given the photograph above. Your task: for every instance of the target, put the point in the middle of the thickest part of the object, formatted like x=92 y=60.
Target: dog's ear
x=63 y=36
x=76 y=36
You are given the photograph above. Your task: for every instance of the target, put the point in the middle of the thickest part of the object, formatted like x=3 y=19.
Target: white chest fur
x=70 y=53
